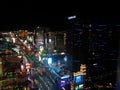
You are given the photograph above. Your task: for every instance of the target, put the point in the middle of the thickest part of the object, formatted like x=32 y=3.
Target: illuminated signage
x=49 y=60
x=78 y=79
x=62 y=83
x=77 y=73
x=71 y=17
x=66 y=76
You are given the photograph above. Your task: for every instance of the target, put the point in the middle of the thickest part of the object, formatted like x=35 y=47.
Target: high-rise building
x=93 y=43
x=103 y=42
x=60 y=41
x=77 y=42
x=55 y=41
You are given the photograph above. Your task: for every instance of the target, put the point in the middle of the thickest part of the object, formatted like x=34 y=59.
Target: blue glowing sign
x=78 y=79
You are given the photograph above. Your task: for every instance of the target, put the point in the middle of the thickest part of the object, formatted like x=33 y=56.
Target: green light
x=76 y=88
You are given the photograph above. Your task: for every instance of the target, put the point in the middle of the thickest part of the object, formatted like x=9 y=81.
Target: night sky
x=29 y=14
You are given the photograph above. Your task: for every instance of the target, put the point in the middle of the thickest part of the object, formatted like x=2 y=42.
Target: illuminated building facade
x=40 y=41
x=22 y=33
x=103 y=51
x=93 y=43
x=49 y=42
x=79 y=78
x=60 y=41
x=102 y=37
x=55 y=42
x=103 y=44
x=95 y=38
x=39 y=35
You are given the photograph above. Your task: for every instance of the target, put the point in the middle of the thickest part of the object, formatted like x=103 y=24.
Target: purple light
x=30 y=85
x=62 y=83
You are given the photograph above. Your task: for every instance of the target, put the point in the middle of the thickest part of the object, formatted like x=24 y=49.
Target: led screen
x=78 y=79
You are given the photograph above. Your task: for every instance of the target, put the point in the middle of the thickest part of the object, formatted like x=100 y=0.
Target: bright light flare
x=49 y=60
x=71 y=17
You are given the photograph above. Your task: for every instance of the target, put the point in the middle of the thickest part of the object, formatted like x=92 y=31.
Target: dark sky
x=27 y=14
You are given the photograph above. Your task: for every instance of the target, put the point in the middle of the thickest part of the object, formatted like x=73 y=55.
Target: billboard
x=78 y=79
